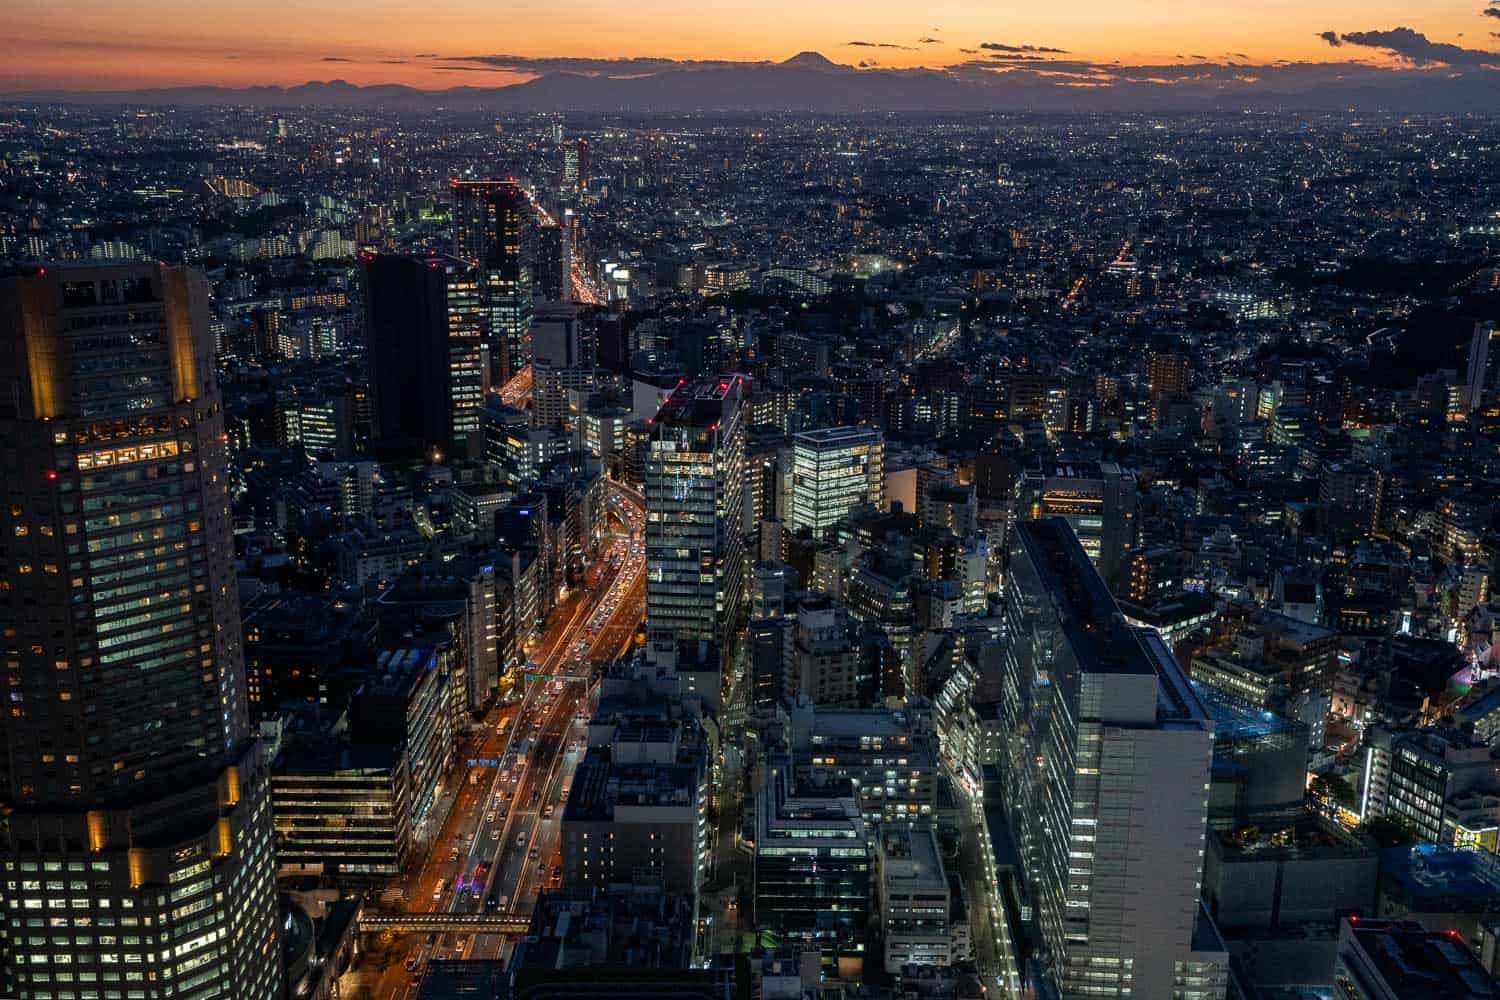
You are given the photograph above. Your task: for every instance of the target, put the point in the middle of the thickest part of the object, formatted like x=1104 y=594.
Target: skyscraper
x=427 y=353
x=695 y=498
x=834 y=470
x=406 y=324
x=136 y=837
x=1484 y=363
x=553 y=281
x=491 y=228
x=467 y=378
x=1106 y=775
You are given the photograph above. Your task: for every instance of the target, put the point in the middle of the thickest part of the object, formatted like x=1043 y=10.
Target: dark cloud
x=929 y=40
x=1417 y=48
x=1002 y=47
x=879 y=45
x=868 y=64
x=336 y=59
x=394 y=62
x=969 y=52
x=1200 y=58
x=1015 y=57
x=1492 y=12
x=1331 y=37
x=1240 y=55
x=471 y=69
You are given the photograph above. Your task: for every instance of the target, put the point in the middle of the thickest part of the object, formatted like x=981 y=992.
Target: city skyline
x=795 y=503
x=77 y=45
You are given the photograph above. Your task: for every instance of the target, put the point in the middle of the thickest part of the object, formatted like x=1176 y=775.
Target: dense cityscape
x=748 y=557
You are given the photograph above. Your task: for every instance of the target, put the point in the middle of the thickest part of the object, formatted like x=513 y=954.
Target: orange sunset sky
x=100 y=44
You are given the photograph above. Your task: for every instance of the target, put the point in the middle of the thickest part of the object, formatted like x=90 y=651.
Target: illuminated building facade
x=695 y=501
x=491 y=227
x=136 y=839
x=834 y=470
x=1106 y=780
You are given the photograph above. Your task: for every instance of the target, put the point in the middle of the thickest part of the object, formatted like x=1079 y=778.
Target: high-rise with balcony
x=136 y=831
x=695 y=501
x=1105 y=778
x=491 y=229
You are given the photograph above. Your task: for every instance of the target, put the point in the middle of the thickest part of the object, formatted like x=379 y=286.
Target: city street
x=499 y=846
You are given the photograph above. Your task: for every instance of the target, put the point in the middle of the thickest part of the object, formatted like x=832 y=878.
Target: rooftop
x=1416 y=962
x=1088 y=614
x=702 y=403
x=600 y=786
x=825 y=436
x=910 y=854
x=1440 y=874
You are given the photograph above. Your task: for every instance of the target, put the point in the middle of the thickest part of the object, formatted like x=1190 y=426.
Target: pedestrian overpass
x=444 y=923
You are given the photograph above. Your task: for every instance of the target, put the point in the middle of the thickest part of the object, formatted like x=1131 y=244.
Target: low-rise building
x=639 y=822
x=889 y=755
x=1402 y=960
x=812 y=865
x=913 y=895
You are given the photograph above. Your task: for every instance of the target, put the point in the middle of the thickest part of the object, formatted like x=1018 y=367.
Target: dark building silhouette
x=406 y=334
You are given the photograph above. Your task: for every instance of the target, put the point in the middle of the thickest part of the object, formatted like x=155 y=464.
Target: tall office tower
x=1105 y=780
x=575 y=165
x=574 y=244
x=136 y=830
x=468 y=373
x=553 y=282
x=834 y=470
x=426 y=354
x=1484 y=363
x=695 y=498
x=491 y=228
x=1169 y=380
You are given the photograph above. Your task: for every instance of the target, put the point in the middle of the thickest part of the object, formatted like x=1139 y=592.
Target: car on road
x=534 y=853
x=547 y=813
x=491 y=817
x=520 y=840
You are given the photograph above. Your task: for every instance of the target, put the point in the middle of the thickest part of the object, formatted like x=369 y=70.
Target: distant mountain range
x=811 y=83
